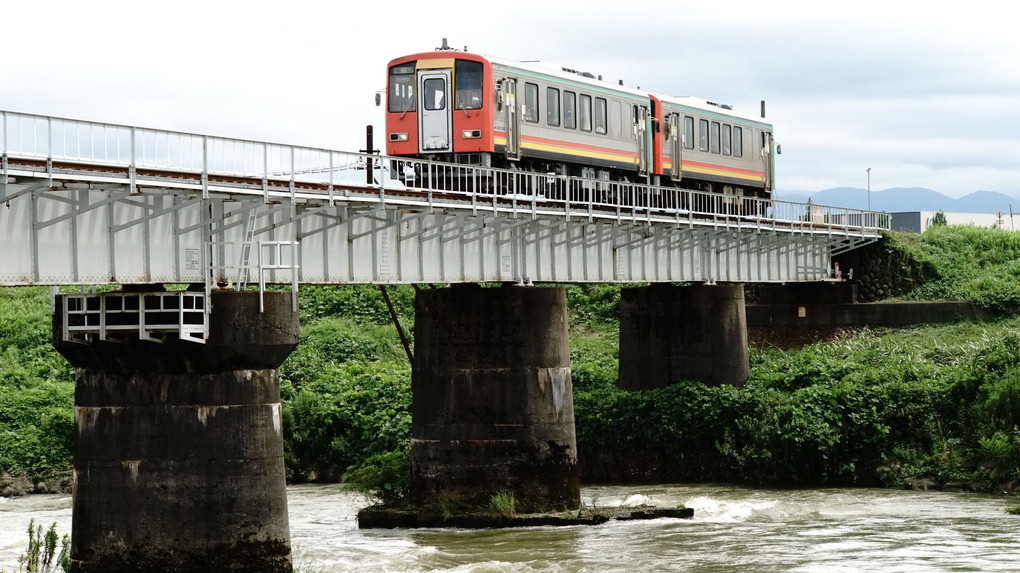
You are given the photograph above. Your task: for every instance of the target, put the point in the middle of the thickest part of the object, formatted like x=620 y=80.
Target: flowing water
x=734 y=529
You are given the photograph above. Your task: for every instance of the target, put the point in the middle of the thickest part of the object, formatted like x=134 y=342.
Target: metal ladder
x=244 y=265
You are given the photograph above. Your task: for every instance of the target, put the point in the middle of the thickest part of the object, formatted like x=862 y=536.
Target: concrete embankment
x=800 y=314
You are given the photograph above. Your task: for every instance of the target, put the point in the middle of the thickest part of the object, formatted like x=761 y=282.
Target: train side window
x=531 y=103
x=584 y=112
x=401 y=89
x=467 y=93
x=601 y=116
x=569 y=110
x=715 y=137
x=703 y=134
x=552 y=106
x=617 y=119
x=738 y=141
x=727 y=133
x=688 y=132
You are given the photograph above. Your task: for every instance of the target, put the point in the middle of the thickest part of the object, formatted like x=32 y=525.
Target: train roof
x=585 y=78
x=535 y=66
x=568 y=74
x=703 y=104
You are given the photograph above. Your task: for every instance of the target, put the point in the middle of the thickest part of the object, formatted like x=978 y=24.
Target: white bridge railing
x=148 y=316
x=139 y=153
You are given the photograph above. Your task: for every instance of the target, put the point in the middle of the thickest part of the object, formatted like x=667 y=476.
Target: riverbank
x=15 y=486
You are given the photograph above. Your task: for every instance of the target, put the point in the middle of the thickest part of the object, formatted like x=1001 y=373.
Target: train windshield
x=401 y=89
x=468 y=88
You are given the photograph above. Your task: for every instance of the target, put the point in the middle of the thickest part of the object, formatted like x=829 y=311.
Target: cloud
x=927 y=97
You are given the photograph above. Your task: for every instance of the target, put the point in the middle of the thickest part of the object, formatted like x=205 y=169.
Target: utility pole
x=869 y=188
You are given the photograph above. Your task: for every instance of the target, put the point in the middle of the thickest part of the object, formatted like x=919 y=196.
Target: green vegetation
x=385 y=477
x=502 y=504
x=935 y=403
x=965 y=263
x=878 y=407
x=36 y=389
x=41 y=555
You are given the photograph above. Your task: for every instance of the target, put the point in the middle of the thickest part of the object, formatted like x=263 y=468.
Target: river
x=734 y=529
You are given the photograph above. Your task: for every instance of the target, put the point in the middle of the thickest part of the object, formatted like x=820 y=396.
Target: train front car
x=708 y=147
x=528 y=116
x=439 y=106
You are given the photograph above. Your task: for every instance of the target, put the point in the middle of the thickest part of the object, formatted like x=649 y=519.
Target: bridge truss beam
x=97 y=234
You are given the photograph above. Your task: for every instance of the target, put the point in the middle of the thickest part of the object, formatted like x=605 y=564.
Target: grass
x=502 y=504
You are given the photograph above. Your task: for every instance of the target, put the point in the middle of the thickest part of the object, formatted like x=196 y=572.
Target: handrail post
x=262 y=281
x=205 y=166
x=3 y=157
x=131 y=166
x=49 y=150
x=475 y=184
x=330 y=185
x=294 y=276
x=265 y=173
x=293 y=199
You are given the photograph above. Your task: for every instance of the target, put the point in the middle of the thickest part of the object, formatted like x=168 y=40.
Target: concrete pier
x=493 y=403
x=670 y=333
x=178 y=460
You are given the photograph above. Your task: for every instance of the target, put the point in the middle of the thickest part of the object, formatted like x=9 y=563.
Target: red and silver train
x=466 y=108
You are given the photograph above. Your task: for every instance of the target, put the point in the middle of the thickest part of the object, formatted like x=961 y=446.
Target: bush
x=1003 y=402
x=385 y=476
x=345 y=415
x=999 y=455
x=868 y=409
x=358 y=303
x=41 y=555
x=36 y=389
x=594 y=361
x=593 y=306
x=968 y=263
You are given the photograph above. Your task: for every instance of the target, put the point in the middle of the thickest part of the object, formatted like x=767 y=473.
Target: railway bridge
x=179 y=451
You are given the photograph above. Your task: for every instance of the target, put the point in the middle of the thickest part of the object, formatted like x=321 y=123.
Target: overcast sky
x=926 y=94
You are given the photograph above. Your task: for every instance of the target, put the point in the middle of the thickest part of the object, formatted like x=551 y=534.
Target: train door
x=434 y=118
x=766 y=157
x=642 y=132
x=513 y=127
x=676 y=139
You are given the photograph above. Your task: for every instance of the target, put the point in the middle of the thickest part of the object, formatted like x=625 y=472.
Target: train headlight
x=471 y=134
x=402 y=136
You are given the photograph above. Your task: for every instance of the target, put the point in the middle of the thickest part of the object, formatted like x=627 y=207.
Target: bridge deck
x=90 y=203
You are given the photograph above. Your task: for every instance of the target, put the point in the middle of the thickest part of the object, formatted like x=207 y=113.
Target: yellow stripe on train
x=722 y=173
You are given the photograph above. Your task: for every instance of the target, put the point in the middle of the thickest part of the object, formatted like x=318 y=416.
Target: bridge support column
x=493 y=405
x=670 y=333
x=178 y=461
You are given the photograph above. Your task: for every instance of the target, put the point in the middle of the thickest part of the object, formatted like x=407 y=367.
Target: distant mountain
x=900 y=199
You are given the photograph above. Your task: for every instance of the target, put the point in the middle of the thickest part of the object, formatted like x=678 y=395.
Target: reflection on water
x=733 y=529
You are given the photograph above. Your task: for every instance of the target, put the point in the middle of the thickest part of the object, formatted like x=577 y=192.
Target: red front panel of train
x=439 y=103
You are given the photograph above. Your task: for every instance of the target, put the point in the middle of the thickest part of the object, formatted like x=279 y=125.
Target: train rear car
x=707 y=146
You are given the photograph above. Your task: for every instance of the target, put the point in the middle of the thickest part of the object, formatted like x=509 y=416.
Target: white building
x=919 y=221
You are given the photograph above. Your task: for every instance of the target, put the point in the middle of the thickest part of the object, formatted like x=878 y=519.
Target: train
x=466 y=108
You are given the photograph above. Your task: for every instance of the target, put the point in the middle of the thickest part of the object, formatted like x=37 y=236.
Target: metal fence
x=71 y=141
